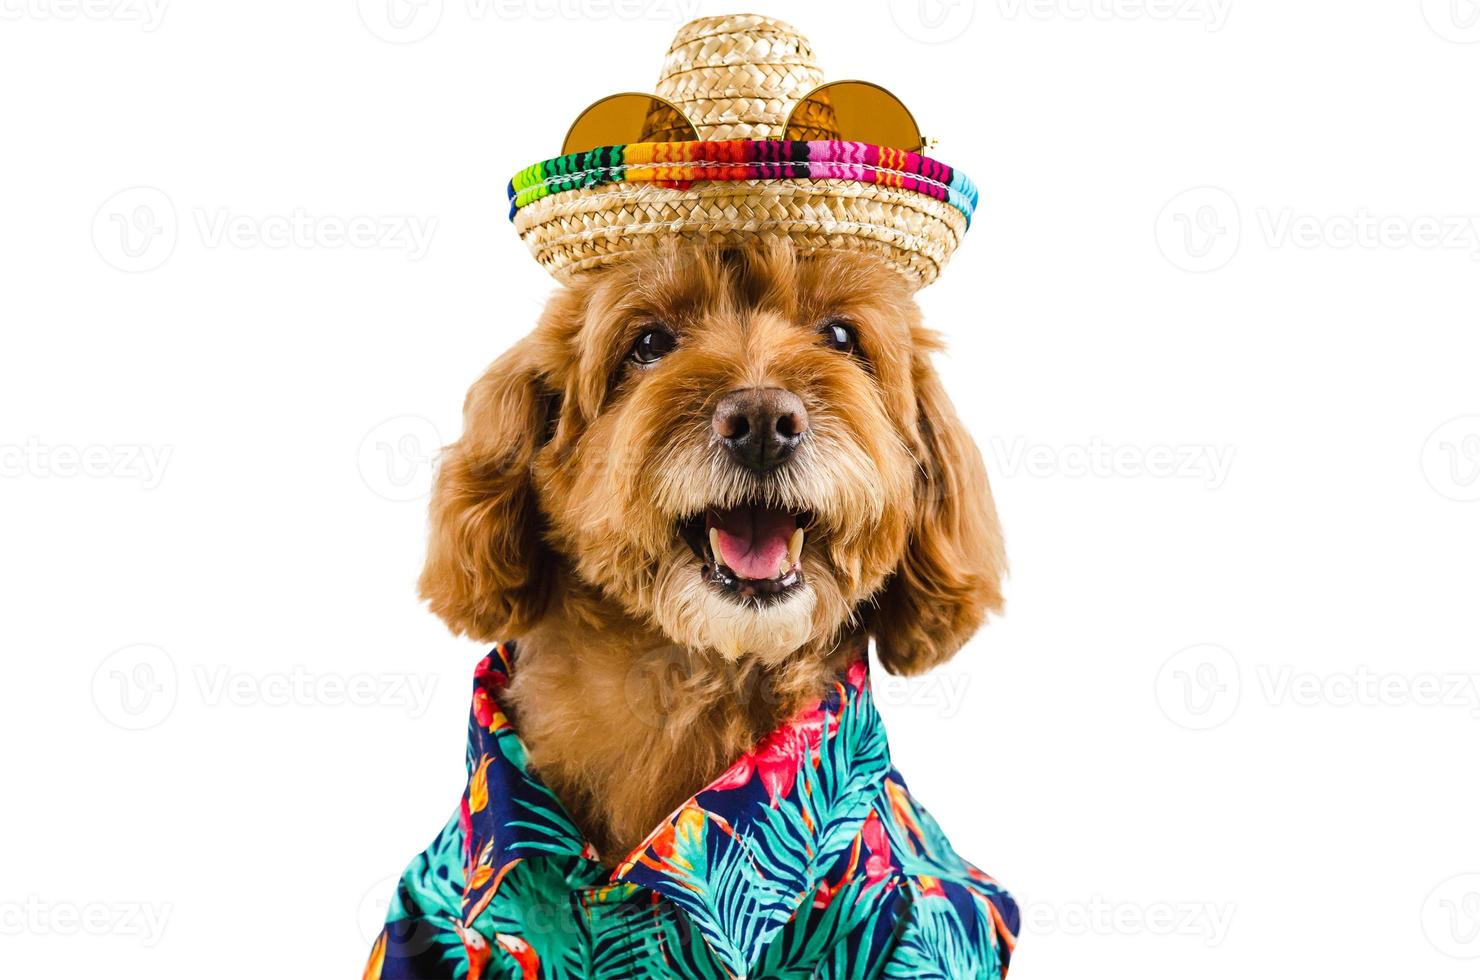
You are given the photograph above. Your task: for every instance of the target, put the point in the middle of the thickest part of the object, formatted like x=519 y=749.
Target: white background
x=1215 y=328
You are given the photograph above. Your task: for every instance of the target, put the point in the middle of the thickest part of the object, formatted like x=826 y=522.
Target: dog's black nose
x=760 y=426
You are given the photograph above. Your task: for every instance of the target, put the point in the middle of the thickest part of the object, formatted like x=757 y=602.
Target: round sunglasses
x=853 y=110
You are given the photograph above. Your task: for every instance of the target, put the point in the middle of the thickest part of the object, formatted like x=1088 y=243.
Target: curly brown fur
x=555 y=517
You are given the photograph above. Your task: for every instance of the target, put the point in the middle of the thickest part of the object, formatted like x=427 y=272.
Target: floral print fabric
x=807 y=858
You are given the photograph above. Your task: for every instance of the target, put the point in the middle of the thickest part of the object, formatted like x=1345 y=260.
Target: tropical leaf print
x=420 y=938
x=533 y=919
x=806 y=858
x=708 y=872
x=837 y=934
x=942 y=944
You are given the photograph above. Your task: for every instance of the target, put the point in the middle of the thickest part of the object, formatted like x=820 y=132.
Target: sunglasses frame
x=565 y=143
x=921 y=142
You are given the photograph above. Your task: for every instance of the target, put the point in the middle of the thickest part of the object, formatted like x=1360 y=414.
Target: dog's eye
x=839 y=336
x=652 y=346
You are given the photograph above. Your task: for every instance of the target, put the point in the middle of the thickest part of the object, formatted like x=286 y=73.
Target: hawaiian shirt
x=807 y=858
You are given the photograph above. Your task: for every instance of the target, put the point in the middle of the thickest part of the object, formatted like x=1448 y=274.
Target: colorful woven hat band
x=736 y=80
x=680 y=165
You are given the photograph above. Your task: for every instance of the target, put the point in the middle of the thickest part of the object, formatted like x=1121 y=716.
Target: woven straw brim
x=748 y=175
x=580 y=230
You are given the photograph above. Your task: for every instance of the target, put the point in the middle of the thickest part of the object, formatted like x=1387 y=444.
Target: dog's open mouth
x=751 y=552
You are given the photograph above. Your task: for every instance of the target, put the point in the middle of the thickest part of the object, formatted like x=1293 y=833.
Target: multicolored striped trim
x=680 y=165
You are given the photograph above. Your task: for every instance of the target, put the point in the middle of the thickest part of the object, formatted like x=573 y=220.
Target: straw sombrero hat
x=743 y=140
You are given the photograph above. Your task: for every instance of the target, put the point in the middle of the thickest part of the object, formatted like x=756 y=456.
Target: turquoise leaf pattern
x=808 y=858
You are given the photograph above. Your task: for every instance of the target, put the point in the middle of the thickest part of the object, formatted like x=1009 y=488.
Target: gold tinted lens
x=860 y=111
x=628 y=118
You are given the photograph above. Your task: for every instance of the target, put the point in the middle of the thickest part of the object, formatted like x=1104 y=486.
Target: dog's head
x=746 y=450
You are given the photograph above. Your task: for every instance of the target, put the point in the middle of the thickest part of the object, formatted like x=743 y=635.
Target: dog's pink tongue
x=753 y=540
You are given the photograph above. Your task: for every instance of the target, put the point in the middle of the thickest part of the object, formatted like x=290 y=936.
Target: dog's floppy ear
x=951 y=574
x=485 y=573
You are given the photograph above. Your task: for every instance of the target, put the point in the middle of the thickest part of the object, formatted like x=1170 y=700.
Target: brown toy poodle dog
x=693 y=494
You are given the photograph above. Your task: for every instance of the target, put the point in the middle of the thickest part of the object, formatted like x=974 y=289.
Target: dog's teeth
x=794 y=549
x=714 y=544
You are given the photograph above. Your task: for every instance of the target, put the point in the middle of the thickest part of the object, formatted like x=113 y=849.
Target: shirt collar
x=772 y=825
